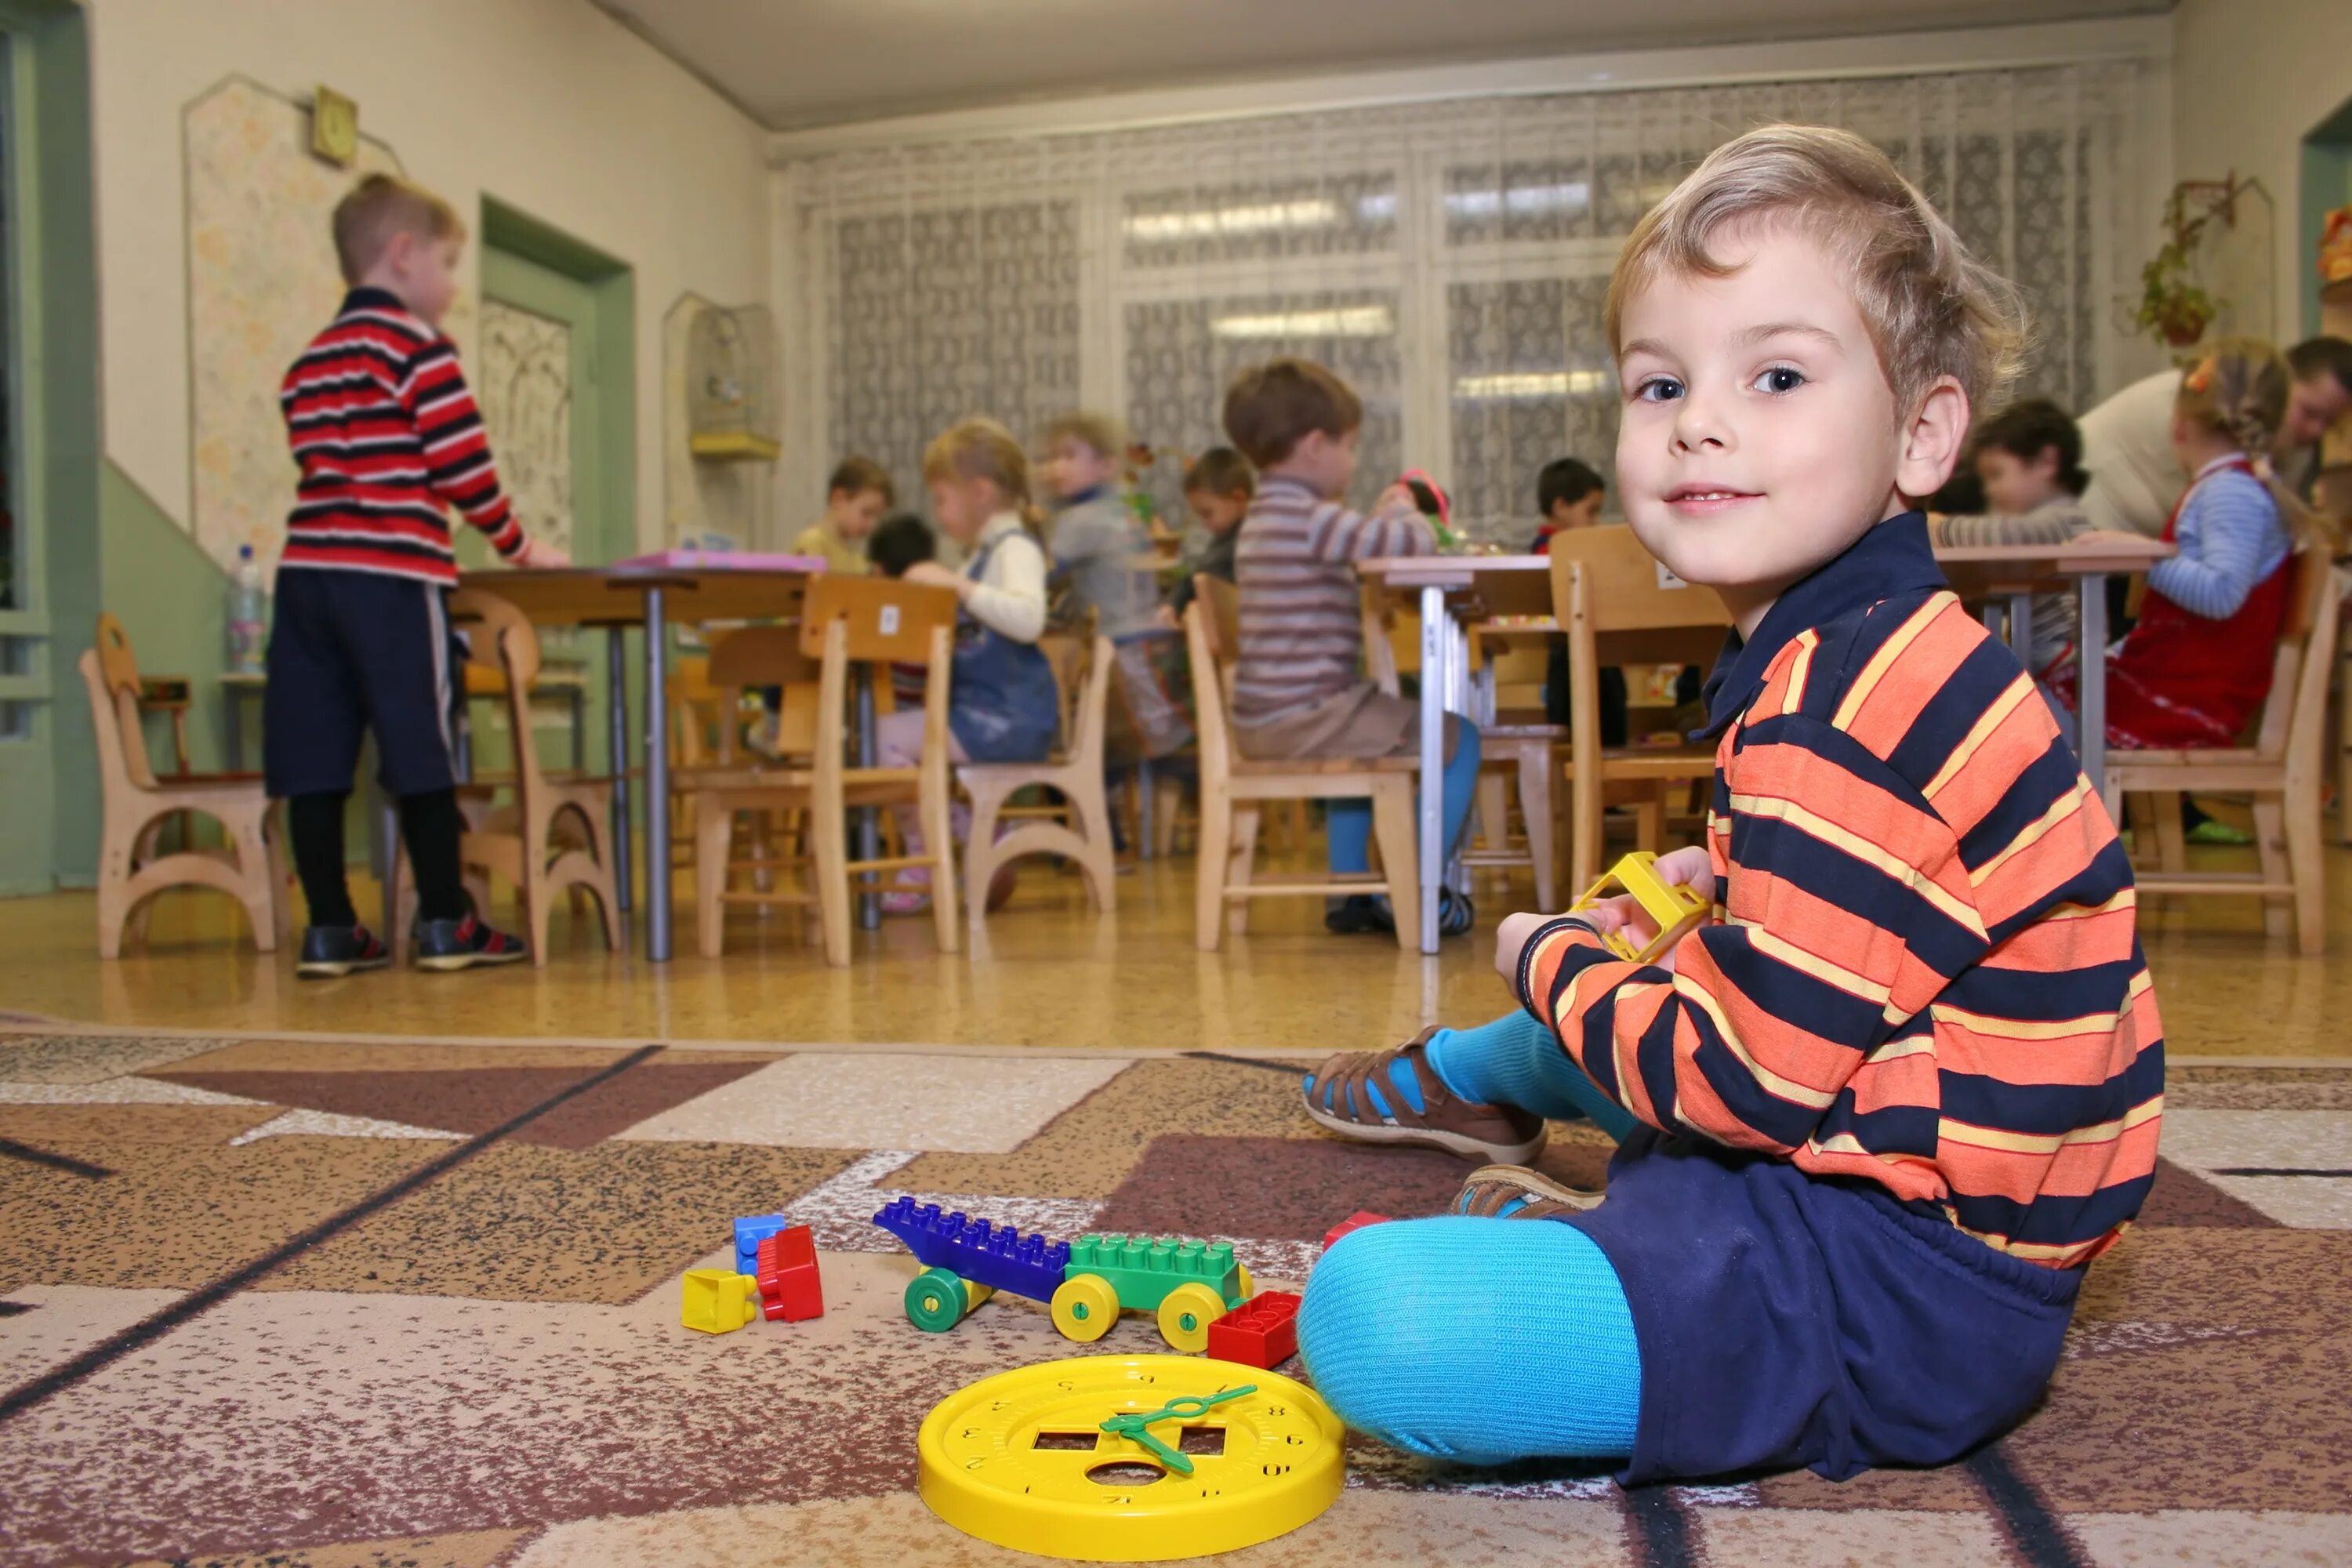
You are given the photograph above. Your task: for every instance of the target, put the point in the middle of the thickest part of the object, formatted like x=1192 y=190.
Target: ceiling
x=795 y=63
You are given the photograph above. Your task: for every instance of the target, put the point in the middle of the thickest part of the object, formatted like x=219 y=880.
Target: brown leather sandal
x=1354 y=1095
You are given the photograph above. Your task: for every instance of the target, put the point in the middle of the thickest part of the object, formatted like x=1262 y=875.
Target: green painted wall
x=172 y=601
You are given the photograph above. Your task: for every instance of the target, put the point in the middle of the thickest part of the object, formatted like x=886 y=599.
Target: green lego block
x=1143 y=1269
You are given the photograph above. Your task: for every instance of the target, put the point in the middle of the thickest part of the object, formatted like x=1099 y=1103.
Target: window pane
x=1260 y=220
x=1530 y=382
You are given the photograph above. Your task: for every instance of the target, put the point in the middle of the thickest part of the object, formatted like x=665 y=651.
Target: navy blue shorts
x=351 y=652
x=1788 y=1321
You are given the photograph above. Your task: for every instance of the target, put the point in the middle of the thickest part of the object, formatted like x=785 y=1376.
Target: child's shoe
x=330 y=952
x=447 y=946
x=1513 y=1192
x=1356 y=1094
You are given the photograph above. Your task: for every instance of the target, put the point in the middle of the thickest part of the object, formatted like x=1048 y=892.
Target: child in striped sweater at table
x=1877 y=1113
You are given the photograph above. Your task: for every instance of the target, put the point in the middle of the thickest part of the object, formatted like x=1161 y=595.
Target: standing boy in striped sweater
x=1878 y=1115
x=386 y=436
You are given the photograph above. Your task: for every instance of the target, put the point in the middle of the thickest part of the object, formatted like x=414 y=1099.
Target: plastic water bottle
x=248 y=613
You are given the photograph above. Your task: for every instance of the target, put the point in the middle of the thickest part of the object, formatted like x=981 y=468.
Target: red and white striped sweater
x=386 y=436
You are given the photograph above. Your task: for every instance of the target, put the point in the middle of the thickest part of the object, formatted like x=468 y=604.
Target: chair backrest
x=762 y=657
x=1211 y=678
x=113 y=676
x=1631 y=594
x=1082 y=670
x=2294 y=714
x=500 y=638
x=884 y=619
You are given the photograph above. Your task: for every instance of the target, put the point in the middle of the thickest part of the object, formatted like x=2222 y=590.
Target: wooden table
x=615 y=598
x=1455 y=590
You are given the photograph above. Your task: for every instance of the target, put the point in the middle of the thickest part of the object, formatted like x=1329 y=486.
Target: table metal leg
x=2020 y=629
x=1434 y=627
x=2091 y=683
x=657 y=873
x=1143 y=808
x=580 y=728
x=869 y=822
x=616 y=672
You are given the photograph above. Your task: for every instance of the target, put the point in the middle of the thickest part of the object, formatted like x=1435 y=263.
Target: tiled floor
x=1044 y=972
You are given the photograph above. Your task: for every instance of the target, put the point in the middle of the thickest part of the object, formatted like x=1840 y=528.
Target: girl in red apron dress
x=2182 y=680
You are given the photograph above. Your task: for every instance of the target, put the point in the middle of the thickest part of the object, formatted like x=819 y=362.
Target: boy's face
x=1321 y=461
x=2314 y=405
x=1583 y=513
x=423 y=273
x=853 y=513
x=1760 y=437
x=2017 y=485
x=1218 y=514
x=1072 y=467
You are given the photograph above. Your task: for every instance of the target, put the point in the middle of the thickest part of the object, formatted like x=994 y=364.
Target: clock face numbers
x=1023 y=1458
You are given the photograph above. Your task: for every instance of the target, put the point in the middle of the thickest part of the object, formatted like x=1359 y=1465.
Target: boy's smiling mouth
x=1697 y=499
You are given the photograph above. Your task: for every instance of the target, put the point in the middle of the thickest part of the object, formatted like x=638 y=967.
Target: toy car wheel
x=1185 y=1314
x=937 y=1300
x=1084 y=1308
x=1247 y=1289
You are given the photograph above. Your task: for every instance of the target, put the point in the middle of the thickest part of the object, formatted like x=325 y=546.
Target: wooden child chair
x=1232 y=788
x=251 y=870
x=1082 y=668
x=2281 y=770
x=847 y=621
x=556 y=834
x=1618 y=605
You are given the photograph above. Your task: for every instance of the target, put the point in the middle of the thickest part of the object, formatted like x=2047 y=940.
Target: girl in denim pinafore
x=1002 y=704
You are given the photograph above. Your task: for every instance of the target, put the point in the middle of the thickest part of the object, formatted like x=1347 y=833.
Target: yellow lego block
x=1674 y=910
x=718 y=1301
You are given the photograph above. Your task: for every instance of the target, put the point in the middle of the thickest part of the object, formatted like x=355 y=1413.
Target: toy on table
x=787 y=1277
x=1674 y=910
x=1087 y=1283
x=718 y=1301
x=1060 y=1459
x=1262 y=1331
x=1355 y=1221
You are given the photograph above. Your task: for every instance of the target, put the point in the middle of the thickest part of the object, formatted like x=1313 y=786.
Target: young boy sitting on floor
x=1297 y=687
x=387 y=438
x=1877 y=1113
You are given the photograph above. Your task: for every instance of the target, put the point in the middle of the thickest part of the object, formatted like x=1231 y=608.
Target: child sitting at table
x=854 y=499
x=2029 y=459
x=1217 y=490
x=898 y=543
x=1002 y=704
x=2195 y=668
x=1298 y=690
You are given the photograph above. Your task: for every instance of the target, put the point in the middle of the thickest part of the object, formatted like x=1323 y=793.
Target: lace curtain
x=1449 y=260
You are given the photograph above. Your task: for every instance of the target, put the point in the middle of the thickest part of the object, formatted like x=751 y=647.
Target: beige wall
x=2250 y=77
x=548 y=105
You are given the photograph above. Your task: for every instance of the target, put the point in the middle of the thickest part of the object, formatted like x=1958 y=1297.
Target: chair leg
x=1494 y=811
x=1650 y=823
x=1399 y=835
x=980 y=859
x=1240 y=861
x=939 y=827
x=1090 y=820
x=2270 y=839
x=1167 y=800
x=1584 y=807
x=1209 y=874
x=2172 y=839
x=831 y=849
x=1534 y=806
x=714 y=833
x=2306 y=857
x=247 y=840
x=116 y=859
x=151 y=840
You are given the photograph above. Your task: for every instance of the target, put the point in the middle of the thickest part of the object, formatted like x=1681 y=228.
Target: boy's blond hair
x=1101 y=434
x=979 y=448
x=2238 y=390
x=1932 y=308
x=381 y=206
x=1271 y=408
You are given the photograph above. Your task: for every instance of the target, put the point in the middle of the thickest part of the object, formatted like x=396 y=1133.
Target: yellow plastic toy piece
x=717 y=1301
x=1084 y=1308
x=1020 y=1460
x=1674 y=910
x=1185 y=1314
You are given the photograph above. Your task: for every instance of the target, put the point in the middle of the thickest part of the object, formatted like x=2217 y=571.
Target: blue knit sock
x=1478 y=1340
x=1517 y=1061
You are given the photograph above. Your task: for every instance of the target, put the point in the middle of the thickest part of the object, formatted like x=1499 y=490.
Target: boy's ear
x=1934 y=439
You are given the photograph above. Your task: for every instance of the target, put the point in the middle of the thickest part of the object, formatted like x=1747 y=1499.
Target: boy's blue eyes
x=1780 y=378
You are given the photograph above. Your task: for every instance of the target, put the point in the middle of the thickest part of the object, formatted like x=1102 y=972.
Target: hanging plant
x=2172 y=307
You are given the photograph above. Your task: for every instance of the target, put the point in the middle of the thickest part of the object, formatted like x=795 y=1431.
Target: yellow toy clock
x=1132 y=1458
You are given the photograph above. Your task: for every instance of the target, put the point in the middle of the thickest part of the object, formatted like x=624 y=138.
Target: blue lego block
x=749 y=1233
x=994 y=1255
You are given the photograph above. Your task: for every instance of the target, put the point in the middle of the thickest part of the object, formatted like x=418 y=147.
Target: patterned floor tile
x=65 y=1321
x=121 y=1091
x=326 y=1124
x=2219 y=1539
x=478 y=1549
x=1776 y=1538
x=525 y=1223
x=2224 y=1145
x=886 y=1101
x=91 y=1058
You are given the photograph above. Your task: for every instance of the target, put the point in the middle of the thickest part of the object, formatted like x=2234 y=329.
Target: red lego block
x=788 y=1286
x=1262 y=1331
x=1355 y=1221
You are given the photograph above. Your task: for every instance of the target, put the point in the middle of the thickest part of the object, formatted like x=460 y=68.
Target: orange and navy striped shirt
x=386 y=434
x=1924 y=969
